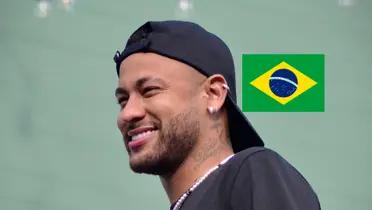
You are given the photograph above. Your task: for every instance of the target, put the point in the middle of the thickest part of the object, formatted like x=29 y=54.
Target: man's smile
x=139 y=136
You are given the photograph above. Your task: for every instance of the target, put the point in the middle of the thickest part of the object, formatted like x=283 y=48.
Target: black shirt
x=254 y=179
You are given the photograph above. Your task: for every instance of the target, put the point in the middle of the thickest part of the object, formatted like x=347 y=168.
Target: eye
x=122 y=102
x=150 y=91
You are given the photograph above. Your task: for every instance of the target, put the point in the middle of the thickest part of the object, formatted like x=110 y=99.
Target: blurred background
x=59 y=146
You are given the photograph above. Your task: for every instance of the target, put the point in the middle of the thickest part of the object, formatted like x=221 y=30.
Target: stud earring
x=212 y=110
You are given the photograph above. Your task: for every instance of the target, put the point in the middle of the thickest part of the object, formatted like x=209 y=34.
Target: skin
x=172 y=98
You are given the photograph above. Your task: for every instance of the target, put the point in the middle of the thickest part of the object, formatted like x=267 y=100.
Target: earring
x=212 y=110
x=225 y=86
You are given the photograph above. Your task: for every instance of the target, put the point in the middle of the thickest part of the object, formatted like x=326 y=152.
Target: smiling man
x=179 y=120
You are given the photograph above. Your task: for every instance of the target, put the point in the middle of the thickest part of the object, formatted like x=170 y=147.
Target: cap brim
x=242 y=133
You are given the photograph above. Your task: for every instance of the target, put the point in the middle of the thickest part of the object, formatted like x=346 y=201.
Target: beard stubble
x=176 y=140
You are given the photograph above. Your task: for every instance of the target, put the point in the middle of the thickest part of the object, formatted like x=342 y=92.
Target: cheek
x=165 y=106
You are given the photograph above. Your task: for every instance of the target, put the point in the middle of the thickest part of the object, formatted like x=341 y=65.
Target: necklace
x=182 y=199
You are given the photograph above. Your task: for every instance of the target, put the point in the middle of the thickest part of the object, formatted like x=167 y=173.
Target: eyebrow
x=139 y=84
x=120 y=91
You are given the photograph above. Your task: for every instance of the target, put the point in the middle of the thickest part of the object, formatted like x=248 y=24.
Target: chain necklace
x=182 y=199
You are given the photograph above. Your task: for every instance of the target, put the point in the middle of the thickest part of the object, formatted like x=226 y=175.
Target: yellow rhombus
x=304 y=83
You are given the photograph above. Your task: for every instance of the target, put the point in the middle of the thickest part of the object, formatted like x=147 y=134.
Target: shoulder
x=249 y=180
x=257 y=156
x=256 y=152
x=262 y=174
x=264 y=165
x=251 y=152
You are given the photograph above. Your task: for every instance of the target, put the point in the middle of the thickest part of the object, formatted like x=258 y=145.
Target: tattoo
x=212 y=146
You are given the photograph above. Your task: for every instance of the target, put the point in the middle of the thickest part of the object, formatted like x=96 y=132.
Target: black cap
x=191 y=44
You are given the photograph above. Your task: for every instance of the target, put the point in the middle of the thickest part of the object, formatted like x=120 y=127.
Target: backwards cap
x=191 y=44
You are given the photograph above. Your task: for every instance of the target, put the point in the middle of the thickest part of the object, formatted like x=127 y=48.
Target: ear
x=216 y=89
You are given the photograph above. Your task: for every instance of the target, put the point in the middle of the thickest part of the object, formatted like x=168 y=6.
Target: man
x=179 y=120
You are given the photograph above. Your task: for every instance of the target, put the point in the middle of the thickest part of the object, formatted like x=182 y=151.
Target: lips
x=142 y=135
x=139 y=136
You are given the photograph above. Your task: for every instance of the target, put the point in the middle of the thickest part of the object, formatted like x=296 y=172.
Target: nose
x=132 y=112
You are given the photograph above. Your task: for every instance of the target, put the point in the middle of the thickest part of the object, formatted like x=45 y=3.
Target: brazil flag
x=283 y=83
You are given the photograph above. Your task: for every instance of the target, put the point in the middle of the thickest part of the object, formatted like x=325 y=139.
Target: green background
x=59 y=146
x=254 y=100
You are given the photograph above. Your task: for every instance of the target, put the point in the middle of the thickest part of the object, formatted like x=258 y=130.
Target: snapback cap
x=191 y=44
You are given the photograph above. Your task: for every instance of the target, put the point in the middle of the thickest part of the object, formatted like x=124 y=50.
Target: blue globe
x=283 y=83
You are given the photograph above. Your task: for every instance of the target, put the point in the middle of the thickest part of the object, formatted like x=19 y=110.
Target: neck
x=194 y=167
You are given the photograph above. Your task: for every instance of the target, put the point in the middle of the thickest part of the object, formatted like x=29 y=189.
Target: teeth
x=143 y=134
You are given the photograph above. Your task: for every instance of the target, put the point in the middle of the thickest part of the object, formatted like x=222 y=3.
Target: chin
x=146 y=168
x=154 y=164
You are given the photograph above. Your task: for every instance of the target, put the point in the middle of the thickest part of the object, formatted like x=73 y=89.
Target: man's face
x=160 y=104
